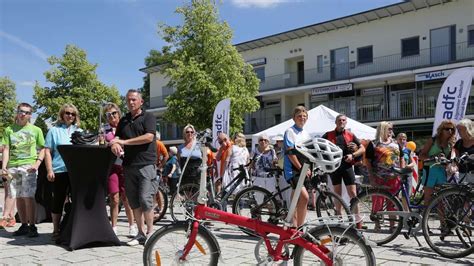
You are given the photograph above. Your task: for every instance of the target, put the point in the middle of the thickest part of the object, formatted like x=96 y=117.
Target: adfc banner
x=220 y=121
x=453 y=96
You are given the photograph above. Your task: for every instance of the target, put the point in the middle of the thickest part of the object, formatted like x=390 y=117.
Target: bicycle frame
x=287 y=235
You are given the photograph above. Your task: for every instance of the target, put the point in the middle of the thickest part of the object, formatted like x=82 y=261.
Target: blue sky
x=118 y=34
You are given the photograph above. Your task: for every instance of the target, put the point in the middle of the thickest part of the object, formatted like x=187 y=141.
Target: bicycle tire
x=185 y=203
x=380 y=228
x=159 y=209
x=348 y=245
x=451 y=238
x=246 y=203
x=163 y=247
x=326 y=204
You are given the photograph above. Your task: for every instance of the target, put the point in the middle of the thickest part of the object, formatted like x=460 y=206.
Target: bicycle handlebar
x=465 y=158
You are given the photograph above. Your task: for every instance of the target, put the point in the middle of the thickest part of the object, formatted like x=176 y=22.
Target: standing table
x=88 y=167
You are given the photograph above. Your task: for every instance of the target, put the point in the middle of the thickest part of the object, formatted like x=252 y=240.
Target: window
x=364 y=55
x=260 y=72
x=470 y=35
x=411 y=46
x=320 y=64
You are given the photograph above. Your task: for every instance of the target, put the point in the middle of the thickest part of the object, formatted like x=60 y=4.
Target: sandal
x=11 y=222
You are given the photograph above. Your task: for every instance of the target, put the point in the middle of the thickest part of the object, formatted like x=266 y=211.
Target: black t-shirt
x=128 y=128
x=341 y=143
x=461 y=150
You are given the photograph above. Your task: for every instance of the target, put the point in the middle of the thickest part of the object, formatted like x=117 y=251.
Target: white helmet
x=326 y=155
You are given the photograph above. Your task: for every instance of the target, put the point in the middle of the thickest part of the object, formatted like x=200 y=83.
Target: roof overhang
x=340 y=23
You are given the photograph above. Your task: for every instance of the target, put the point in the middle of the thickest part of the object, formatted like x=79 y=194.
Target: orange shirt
x=160 y=151
x=225 y=152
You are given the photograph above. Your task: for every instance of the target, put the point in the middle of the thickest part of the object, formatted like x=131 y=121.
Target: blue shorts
x=436 y=176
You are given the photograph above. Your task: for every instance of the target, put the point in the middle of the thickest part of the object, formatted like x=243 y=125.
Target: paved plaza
x=237 y=249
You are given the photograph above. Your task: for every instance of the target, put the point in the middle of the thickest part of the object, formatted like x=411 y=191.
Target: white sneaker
x=132 y=231
x=114 y=228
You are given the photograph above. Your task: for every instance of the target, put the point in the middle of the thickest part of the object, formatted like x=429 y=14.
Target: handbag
x=83 y=138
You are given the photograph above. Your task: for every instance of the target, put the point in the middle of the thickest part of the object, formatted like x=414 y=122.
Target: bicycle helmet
x=326 y=155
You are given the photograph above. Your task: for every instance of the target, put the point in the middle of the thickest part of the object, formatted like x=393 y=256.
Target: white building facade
x=383 y=64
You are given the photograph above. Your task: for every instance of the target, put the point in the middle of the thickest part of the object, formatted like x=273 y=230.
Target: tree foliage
x=7 y=104
x=205 y=68
x=74 y=80
x=39 y=122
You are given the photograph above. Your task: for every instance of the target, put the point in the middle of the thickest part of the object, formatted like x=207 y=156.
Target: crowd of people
x=140 y=155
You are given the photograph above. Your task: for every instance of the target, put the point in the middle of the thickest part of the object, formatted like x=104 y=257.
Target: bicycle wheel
x=378 y=225
x=346 y=247
x=256 y=203
x=448 y=223
x=182 y=203
x=161 y=205
x=165 y=246
x=326 y=204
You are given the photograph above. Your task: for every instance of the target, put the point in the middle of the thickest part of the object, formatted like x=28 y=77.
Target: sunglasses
x=110 y=114
x=449 y=129
x=23 y=112
x=263 y=140
x=390 y=128
x=189 y=132
x=69 y=113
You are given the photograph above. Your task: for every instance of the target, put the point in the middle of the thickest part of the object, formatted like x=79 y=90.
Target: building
x=383 y=64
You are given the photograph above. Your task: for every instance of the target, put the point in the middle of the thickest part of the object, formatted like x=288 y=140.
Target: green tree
x=205 y=68
x=74 y=81
x=154 y=58
x=7 y=104
x=39 y=122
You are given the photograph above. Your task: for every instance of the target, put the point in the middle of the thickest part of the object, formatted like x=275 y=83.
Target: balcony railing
x=158 y=101
x=384 y=64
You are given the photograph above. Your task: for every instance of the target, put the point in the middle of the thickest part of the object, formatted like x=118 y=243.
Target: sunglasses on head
x=23 y=112
x=69 y=113
x=109 y=114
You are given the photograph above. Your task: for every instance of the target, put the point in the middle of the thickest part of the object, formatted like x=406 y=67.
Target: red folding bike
x=329 y=243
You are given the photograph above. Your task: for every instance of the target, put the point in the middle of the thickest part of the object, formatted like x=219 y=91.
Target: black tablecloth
x=88 y=167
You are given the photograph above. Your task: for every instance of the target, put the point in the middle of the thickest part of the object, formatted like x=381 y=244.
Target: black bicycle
x=258 y=203
x=182 y=203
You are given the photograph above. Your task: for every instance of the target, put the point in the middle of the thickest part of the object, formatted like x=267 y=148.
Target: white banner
x=453 y=97
x=220 y=121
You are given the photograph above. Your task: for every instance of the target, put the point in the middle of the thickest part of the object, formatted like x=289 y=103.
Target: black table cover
x=88 y=167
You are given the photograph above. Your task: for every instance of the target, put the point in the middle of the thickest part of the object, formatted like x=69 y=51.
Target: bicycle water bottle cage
x=326 y=155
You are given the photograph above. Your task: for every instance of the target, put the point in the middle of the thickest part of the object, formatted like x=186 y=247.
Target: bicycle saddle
x=402 y=171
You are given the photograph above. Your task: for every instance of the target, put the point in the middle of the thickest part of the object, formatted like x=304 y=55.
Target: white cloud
x=258 y=3
x=36 y=51
x=26 y=83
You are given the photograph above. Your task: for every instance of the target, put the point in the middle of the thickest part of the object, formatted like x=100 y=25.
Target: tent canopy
x=320 y=120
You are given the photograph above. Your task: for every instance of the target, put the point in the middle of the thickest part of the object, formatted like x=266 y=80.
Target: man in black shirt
x=351 y=148
x=135 y=140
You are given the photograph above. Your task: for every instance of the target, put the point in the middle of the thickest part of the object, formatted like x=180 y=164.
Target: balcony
x=380 y=65
x=158 y=101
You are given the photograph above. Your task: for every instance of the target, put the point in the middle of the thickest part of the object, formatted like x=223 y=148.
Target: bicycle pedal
x=406 y=235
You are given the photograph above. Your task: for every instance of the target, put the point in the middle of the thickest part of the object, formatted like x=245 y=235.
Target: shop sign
x=332 y=89
x=433 y=75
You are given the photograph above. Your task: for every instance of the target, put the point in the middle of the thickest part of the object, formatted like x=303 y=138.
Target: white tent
x=320 y=120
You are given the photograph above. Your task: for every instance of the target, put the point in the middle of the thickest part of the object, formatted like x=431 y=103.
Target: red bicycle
x=189 y=242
